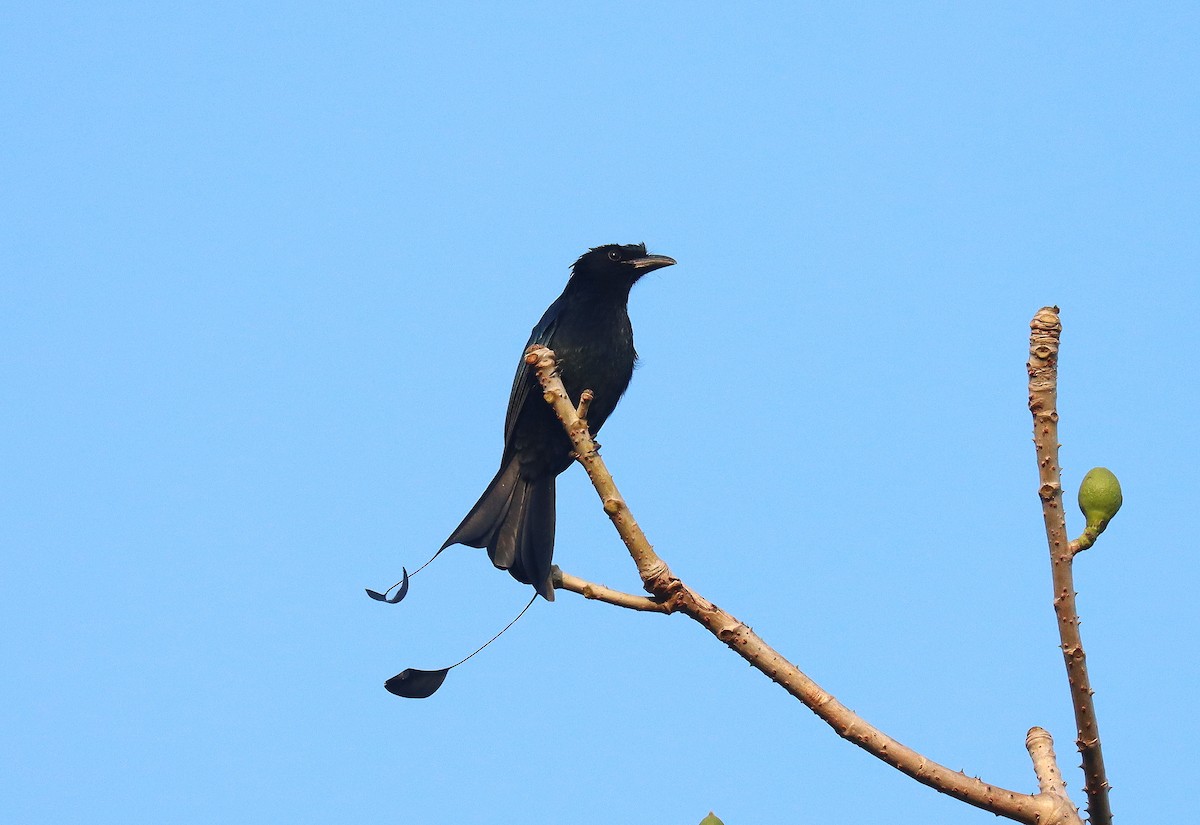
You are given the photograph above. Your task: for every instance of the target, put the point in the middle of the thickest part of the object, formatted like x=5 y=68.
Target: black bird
x=589 y=330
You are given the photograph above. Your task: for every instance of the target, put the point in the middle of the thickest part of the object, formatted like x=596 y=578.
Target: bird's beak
x=650 y=263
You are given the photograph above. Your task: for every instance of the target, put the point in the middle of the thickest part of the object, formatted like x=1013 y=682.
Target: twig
x=591 y=590
x=1046 y=328
x=585 y=402
x=1086 y=539
x=1040 y=745
x=1042 y=808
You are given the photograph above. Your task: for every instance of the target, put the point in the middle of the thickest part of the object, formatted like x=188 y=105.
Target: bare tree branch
x=590 y=590
x=585 y=401
x=1040 y=745
x=1044 y=808
x=1045 y=331
x=1045 y=765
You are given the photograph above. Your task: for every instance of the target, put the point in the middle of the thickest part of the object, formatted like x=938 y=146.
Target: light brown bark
x=1045 y=332
x=1048 y=807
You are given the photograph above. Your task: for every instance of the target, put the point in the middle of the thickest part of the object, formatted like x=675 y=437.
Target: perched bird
x=589 y=330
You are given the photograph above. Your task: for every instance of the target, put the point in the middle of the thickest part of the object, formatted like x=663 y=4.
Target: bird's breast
x=596 y=353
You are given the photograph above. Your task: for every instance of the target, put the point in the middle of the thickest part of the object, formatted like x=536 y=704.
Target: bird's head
x=617 y=265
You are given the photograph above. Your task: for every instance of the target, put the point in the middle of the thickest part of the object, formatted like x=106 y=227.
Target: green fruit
x=1099 y=497
x=711 y=819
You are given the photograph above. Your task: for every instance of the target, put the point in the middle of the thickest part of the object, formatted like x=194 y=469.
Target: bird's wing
x=526 y=381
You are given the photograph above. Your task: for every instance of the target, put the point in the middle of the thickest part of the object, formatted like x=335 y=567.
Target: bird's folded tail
x=514 y=520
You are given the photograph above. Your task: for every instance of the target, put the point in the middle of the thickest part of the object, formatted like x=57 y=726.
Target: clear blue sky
x=267 y=270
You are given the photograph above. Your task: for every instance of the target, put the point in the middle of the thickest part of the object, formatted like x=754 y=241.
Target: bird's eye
x=614 y=255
